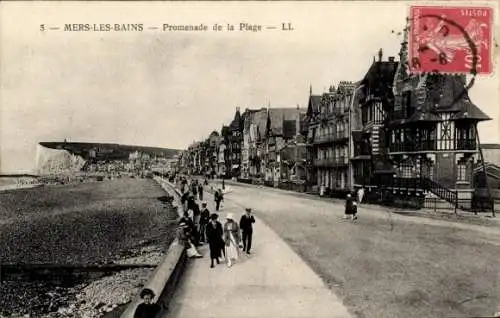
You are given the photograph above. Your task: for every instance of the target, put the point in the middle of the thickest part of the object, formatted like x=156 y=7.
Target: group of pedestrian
x=200 y=226
x=229 y=238
x=223 y=240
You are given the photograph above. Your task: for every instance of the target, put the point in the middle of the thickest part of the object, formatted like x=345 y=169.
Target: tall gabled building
x=313 y=121
x=235 y=143
x=281 y=127
x=372 y=166
x=224 y=165
x=254 y=121
x=432 y=134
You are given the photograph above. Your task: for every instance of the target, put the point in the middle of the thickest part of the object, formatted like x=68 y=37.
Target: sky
x=167 y=89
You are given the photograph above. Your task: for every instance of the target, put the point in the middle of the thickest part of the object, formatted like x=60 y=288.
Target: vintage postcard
x=249 y=159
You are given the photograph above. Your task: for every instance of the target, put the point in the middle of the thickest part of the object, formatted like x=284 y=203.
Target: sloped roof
x=224 y=131
x=277 y=116
x=470 y=111
x=313 y=104
x=247 y=120
x=250 y=116
x=289 y=129
x=379 y=74
x=304 y=125
x=236 y=123
x=442 y=93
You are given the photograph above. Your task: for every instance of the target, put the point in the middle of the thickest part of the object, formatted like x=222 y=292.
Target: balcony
x=340 y=110
x=362 y=179
x=362 y=149
x=331 y=162
x=431 y=145
x=341 y=136
x=466 y=144
x=400 y=114
x=322 y=139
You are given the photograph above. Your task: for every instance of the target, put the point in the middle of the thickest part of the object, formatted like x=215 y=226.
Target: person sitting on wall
x=188 y=220
x=147 y=309
x=185 y=237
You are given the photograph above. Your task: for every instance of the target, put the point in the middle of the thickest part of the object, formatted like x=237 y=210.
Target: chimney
x=380 y=54
x=237 y=109
x=298 y=106
x=391 y=58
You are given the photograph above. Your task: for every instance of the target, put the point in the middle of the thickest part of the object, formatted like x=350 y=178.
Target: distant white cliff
x=50 y=161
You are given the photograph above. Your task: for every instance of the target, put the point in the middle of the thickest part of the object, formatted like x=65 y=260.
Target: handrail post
x=484 y=170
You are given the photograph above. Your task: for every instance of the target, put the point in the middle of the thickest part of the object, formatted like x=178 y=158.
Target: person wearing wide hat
x=246 y=227
x=214 y=236
x=232 y=238
x=185 y=237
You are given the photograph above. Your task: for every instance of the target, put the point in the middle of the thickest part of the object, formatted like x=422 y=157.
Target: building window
x=461 y=172
x=406 y=170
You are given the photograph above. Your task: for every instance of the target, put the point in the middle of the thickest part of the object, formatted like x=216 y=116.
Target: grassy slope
x=82 y=223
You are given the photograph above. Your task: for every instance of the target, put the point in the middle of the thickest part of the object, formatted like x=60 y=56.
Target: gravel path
x=117 y=221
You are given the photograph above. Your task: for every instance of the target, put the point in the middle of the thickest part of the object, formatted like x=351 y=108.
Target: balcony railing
x=340 y=110
x=362 y=179
x=330 y=162
x=430 y=145
x=362 y=150
x=466 y=144
x=341 y=135
x=320 y=139
x=338 y=136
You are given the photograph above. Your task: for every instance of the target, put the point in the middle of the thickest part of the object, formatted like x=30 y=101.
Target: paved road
x=271 y=199
x=386 y=264
x=271 y=282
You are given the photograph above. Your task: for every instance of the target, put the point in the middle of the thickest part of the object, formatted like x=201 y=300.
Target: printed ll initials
x=286 y=26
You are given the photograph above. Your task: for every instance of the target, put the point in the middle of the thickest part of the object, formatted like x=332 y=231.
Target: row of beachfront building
x=398 y=135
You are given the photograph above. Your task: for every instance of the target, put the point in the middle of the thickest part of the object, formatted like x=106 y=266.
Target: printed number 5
x=42 y=27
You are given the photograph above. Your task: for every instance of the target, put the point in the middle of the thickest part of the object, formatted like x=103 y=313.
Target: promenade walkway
x=271 y=282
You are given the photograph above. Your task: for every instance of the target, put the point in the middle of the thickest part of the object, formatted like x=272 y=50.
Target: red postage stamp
x=450 y=39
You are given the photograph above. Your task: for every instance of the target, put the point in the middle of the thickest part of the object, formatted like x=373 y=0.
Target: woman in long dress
x=232 y=238
x=214 y=234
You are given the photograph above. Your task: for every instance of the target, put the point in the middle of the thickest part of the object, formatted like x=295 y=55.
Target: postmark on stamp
x=450 y=39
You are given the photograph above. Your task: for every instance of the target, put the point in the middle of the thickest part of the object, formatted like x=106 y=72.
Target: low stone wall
x=167 y=275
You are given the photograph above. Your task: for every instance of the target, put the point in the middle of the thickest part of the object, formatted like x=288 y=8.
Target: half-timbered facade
x=371 y=164
x=432 y=134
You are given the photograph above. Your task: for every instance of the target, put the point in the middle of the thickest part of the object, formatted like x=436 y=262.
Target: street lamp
x=351 y=146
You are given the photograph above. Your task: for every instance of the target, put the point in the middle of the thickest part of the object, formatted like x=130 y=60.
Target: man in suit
x=246 y=227
x=204 y=219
